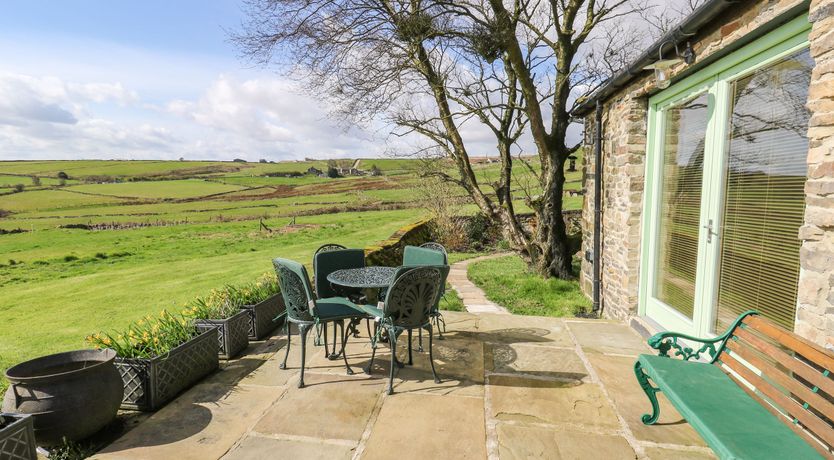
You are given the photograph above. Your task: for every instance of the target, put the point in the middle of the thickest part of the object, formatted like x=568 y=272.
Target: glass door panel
x=676 y=265
x=763 y=192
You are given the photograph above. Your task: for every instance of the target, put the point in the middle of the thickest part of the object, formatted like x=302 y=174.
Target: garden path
x=472 y=296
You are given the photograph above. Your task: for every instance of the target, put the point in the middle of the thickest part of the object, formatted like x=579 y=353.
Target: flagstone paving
x=512 y=387
x=472 y=296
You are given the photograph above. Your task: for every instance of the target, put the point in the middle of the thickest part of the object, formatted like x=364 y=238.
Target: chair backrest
x=325 y=263
x=434 y=246
x=414 y=256
x=412 y=296
x=295 y=289
x=791 y=375
x=329 y=247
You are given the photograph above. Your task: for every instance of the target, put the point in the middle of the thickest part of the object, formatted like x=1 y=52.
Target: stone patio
x=513 y=387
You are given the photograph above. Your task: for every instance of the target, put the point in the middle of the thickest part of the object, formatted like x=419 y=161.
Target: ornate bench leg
x=651 y=392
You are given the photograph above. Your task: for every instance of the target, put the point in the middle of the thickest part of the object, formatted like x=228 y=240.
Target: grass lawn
x=451 y=301
x=508 y=282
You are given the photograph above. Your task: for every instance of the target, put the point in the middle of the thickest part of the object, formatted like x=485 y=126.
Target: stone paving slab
x=205 y=422
x=259 y=448
x=617 y=373
x=657 y=453
x=557 y=363
x=609 y=338
x=329 y=407
x=518 y=442
x=419 y=427
x=528 y=400
x=519 y=329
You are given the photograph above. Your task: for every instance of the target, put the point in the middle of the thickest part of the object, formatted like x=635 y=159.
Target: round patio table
x=363 y=278
x=369 y=279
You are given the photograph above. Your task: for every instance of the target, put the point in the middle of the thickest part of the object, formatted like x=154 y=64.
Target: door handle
x=710 y=228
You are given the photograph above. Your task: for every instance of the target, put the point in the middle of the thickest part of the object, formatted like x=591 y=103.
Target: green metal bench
x=763 y=393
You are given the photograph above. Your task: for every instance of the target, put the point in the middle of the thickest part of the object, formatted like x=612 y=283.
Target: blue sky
x=151 y=79
x=159 y=80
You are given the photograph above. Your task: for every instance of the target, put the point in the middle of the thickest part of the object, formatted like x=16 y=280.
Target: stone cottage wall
x=815 y=312
x=624 y=149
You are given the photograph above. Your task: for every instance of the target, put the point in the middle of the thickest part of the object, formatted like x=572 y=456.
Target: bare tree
x=517 y=67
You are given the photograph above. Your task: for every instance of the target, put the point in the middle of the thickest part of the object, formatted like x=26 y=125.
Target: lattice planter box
x=151 y=382
x=262 y=316
x=17 y=437
x=232 y=333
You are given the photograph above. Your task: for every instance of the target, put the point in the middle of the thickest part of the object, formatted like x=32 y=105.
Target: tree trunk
x=551 y=255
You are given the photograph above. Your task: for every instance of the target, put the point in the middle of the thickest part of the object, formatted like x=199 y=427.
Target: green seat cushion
x=334 y=308
x=372 y=310
x=735 y=425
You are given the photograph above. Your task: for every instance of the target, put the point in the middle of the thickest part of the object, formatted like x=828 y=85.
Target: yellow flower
x=156 y=340
x=106 y=341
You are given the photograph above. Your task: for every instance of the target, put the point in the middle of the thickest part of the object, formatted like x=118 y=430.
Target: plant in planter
x=218 y=311
x=158 y=357
x=17 y=437
x=263 y=302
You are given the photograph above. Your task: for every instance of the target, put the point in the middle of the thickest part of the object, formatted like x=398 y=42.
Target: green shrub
x=71 y=450
x=70 y=258
x=148 y=337
x=226 y=302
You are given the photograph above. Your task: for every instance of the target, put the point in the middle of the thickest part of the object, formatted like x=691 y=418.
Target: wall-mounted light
x=661 y=66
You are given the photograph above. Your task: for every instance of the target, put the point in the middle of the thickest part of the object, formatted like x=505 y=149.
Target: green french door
x=726 y=168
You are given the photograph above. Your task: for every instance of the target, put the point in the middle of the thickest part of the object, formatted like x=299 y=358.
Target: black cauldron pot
x=72 y=394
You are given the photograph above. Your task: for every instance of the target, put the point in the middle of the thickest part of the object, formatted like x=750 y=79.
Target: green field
x=175 y=231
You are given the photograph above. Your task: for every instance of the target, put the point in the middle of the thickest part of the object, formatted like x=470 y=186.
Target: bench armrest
x=666 y=341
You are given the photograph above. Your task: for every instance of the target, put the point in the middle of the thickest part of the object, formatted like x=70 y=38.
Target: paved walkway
x=513 y=387
x=472 y=296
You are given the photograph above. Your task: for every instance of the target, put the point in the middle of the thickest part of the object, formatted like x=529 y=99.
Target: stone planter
x=149 y=383
x=262 y=316
x=17 y=437
x=69 y=395
x=232 y=333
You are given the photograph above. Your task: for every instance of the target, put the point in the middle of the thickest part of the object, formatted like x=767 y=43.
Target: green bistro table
x=367 y=278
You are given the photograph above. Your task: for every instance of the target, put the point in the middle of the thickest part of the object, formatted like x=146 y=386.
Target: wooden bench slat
x=802 y=369
x=794 y=386
x=809 y=420
x=807 y=349
x=796 y=429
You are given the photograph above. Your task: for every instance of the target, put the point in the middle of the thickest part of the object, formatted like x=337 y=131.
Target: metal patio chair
x=434 y=246
x=325 y=263
x=407 y=306
x=430 y=254
x=321 y=329
x=305 y=311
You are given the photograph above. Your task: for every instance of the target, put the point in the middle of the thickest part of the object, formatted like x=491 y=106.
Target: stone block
x=524 y=442
x=419 y=427
x=329 y=407
x=526 y=400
